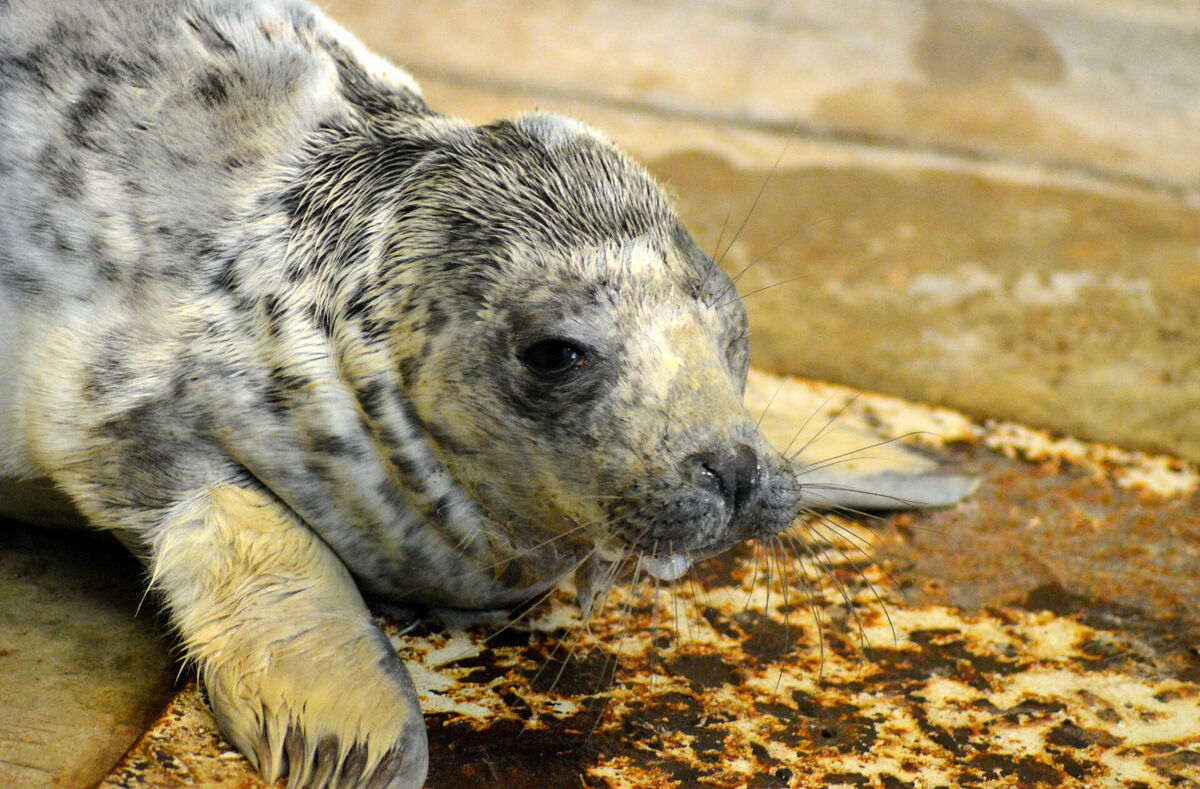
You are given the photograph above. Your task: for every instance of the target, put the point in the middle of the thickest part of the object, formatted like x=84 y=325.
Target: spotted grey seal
x=290 y=334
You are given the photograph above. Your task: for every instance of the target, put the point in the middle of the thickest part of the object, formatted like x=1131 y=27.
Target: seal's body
x=283 y=330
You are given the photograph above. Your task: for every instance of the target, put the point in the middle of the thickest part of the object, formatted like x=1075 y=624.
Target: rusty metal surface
x=1043 y=633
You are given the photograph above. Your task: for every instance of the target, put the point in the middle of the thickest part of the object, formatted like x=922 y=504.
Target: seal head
x=583 y=362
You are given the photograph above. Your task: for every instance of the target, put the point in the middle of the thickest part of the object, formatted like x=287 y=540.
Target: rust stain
x=994 y=644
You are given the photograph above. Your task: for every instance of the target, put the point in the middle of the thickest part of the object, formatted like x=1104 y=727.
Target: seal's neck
x=351 y=456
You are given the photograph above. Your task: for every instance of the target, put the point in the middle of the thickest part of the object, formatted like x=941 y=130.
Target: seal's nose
x=732 y=474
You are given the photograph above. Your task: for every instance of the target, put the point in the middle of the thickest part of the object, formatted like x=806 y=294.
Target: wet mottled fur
x=262 y=315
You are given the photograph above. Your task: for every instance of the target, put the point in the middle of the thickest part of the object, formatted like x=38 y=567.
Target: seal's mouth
x=592 y=579
x=666 y=568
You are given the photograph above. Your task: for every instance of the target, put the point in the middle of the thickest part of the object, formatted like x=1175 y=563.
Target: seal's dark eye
x=554 y=358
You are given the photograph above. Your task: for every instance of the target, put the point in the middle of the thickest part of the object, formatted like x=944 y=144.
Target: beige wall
x=991 y=205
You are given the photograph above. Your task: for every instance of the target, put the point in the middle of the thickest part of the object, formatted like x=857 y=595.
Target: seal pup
x=289 y=334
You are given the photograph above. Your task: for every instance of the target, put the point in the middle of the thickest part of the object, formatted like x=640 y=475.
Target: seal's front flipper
x=299 y=677
x=841 y=464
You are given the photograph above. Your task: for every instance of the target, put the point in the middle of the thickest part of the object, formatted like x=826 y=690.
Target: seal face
x=289 y=333
x=584 y=368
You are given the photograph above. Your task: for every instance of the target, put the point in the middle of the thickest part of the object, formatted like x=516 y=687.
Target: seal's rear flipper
x=840 y=462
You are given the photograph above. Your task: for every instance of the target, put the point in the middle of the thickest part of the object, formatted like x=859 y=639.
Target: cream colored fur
x=268 y=609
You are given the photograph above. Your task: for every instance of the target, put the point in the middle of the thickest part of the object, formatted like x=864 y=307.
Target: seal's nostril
x=733 y=475
x=710 y=475
x=746 y=470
